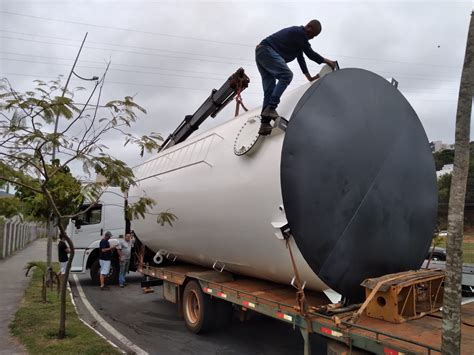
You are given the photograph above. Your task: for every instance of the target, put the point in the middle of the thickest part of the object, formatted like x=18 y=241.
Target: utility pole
x=51 y=229
x=451 y=342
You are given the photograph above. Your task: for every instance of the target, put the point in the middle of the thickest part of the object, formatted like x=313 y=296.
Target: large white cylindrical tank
x=232 y=203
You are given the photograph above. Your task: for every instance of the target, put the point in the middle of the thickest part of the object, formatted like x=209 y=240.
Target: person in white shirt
x=125 y=251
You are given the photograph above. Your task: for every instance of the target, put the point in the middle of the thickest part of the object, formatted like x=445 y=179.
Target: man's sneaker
x=265 y=129
x=121 y=286
x=270 y=112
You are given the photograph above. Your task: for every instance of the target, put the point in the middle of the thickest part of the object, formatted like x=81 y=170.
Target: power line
x=127 y=29
x=398 y=61
x=197 y=89
x=126 y=46
x=404 y=89
x=121 y=50
x=215 y=41
x=175 y=75
x=130 y=83
x=113 y=64
x=418 y=77
x=112 y=69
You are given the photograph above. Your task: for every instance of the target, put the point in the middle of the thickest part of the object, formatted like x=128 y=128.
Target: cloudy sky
x=170 y=54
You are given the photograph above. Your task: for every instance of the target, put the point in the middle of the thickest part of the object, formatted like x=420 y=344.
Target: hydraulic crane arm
x=218 y=99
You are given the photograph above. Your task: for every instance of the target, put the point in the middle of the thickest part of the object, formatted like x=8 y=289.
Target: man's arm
x=119 y=249
x=311 y=78
x=103 y=250
x=331 y=63
x=302 y=64
x=316 y=58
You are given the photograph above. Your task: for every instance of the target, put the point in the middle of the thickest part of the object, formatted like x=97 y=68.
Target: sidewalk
x=12 y=287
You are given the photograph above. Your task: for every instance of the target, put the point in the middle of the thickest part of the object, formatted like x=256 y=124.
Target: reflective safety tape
x=388 y=351
x=207 y=289
x=285 y=316
x=329 y=331
x=249 y=304
x=221 y=294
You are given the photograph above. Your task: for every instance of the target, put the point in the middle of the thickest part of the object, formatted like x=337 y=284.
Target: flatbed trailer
x=416 y=336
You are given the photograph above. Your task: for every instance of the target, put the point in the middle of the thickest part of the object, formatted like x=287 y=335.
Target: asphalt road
x=152 y=323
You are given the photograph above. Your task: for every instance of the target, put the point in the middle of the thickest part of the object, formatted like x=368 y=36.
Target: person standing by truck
x=63 y=258
x=105 y=259
x=125 y=251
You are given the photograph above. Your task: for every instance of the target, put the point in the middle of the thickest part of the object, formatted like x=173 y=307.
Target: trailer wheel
x=112 y=278
x=198 y=309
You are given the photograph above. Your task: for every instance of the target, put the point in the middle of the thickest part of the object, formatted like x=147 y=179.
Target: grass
x=468 y=252
x=36 y=325
x=467 y=246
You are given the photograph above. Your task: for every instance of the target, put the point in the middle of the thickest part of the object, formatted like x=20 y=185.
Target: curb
x=87 y=324
x=135 y=349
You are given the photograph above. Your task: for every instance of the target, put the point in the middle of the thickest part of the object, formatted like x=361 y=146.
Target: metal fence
x=16 y=234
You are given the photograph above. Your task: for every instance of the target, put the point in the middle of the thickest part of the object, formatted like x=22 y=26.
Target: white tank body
x=230 y=207
x=225 y=203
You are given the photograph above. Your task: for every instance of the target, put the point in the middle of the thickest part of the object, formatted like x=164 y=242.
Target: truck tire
x=112 y=278
x=198 y=309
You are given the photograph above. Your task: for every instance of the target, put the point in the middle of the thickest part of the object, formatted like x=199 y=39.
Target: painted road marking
x=104 y=323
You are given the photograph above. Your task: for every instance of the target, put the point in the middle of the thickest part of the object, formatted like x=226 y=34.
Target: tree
x=9 y=206
x=444 y=187
x=443 y=157
x=65 y=190
x=26 y=144
x=451 y=340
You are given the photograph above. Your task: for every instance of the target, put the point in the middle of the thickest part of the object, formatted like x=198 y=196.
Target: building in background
x=446 y=169
x=437 y=146
x=7 y=190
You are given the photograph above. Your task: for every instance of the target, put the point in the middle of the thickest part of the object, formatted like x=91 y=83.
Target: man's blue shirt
x=291 y=43
x=105 y=255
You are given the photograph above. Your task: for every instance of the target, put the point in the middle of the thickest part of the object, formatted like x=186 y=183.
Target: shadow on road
x=153 y=324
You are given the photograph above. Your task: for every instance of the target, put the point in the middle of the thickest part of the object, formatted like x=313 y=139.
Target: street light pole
x=50 y=225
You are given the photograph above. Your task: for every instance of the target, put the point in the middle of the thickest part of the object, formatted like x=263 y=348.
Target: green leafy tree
x=27 y=142
x=444 y=186
x=9 y=206
x=65 y=189
x=443 y=157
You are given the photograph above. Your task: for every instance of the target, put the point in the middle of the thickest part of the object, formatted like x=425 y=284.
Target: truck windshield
x=92 y=216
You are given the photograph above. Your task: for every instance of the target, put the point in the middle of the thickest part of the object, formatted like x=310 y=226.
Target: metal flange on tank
x=358 y=180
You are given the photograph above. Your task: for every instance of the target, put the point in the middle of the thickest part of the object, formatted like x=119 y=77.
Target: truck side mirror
x=78 y=223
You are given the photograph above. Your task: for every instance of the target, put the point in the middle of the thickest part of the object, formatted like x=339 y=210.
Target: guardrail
x=16 y=234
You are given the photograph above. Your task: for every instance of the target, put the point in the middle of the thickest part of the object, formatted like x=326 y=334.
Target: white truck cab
x=87 y=230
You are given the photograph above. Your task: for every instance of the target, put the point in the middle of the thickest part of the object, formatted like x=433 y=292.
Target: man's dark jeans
x=272 y=67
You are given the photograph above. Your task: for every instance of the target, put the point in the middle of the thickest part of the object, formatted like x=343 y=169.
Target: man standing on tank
x=271 y=56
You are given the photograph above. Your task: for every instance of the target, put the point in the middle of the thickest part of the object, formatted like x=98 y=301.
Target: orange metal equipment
x=407 y=295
